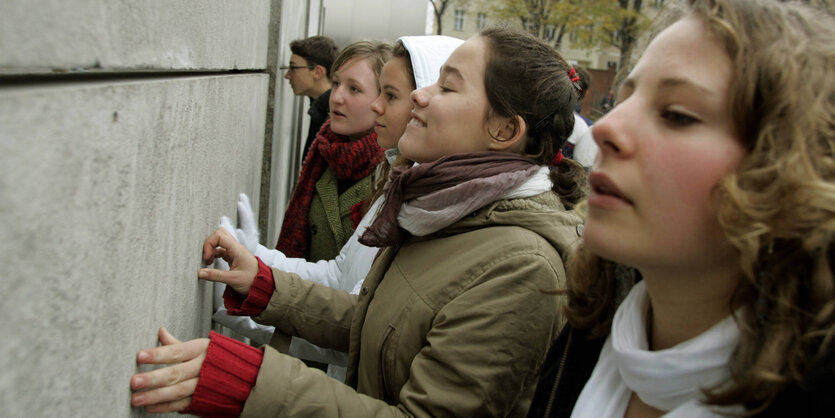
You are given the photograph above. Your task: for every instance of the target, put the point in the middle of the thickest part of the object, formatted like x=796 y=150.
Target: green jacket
x=452 y=324
x=329 y=218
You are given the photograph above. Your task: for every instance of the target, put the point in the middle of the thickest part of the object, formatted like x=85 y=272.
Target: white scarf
x=435 y=211
x=670 y=380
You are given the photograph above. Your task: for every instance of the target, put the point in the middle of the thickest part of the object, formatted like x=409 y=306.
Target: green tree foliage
x=549 y=20
x=591 y=23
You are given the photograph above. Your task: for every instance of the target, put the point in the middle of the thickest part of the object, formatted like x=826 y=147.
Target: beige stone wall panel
x=107 y=190
x=105 y=35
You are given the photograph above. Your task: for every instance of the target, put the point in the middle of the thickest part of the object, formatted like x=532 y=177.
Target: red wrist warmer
x=227 y=376
x=259 y=294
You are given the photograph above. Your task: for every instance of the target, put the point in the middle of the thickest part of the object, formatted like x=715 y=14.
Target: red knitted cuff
x=259 y=294
x=227 y=376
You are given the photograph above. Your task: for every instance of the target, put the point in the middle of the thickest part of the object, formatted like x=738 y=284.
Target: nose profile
x=614 y=133
x=336 y=94
x=376 y=107
x=420 y=97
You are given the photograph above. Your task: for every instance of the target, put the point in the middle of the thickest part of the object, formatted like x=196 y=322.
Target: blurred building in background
x=589 y=33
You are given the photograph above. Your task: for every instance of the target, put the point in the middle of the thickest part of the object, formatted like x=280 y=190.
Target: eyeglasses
x=296 y=67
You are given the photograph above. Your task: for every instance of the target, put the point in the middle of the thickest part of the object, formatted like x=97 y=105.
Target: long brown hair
x=527 y=77
x=777 y=208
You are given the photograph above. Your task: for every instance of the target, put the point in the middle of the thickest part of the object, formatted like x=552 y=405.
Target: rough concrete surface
x=83 y=35
x=107 y=191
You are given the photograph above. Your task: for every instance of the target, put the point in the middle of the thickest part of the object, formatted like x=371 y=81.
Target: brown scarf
x=350 y=160
x=453 y=171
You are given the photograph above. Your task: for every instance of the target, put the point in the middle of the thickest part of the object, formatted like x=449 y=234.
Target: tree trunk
x=558 y=42
x=439 y=13
x=627 y=38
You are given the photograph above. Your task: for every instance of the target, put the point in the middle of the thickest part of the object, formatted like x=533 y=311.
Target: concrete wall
x=126 y=130
x=54 y=35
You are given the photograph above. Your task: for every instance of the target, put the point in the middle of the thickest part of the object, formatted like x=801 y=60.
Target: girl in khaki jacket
x=452 y=320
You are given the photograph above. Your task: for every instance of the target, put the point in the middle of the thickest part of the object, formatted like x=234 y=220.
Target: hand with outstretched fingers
x=243 y=266
x=168 y=389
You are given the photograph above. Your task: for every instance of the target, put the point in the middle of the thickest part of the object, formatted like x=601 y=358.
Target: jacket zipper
x=559 y=374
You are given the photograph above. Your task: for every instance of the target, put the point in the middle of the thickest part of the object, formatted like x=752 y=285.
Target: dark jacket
x=813 y=397
x=319 y=112
x=567 y=368
x=573 y=356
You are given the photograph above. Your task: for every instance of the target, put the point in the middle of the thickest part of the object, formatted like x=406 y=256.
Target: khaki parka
x=451 y=324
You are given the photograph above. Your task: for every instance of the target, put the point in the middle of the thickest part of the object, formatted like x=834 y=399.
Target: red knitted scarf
x=350 y=160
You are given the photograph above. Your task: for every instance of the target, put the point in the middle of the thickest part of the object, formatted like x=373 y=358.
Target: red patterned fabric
x=227 y=376
x=259 y=294
x=350 y=160
x=357 y=214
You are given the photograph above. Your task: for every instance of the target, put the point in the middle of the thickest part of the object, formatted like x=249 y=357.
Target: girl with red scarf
x=337 y=172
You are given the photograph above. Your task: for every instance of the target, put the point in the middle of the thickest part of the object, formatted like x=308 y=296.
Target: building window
x=459 y=20
x=481 y=20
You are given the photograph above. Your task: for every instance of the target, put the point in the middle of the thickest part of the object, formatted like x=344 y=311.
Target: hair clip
x=575 y=79
x=557 y=158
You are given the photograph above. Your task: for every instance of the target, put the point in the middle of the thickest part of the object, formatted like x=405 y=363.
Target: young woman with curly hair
x=705 y=278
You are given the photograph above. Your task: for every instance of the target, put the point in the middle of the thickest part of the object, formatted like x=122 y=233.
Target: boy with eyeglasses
x=309 y=75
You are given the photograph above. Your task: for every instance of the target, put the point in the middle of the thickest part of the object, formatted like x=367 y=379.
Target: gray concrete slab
x=39 y=36
x=107 y=191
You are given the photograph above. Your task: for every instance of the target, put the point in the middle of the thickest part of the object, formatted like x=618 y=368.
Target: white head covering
x=585 y=149
x=428 y=54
